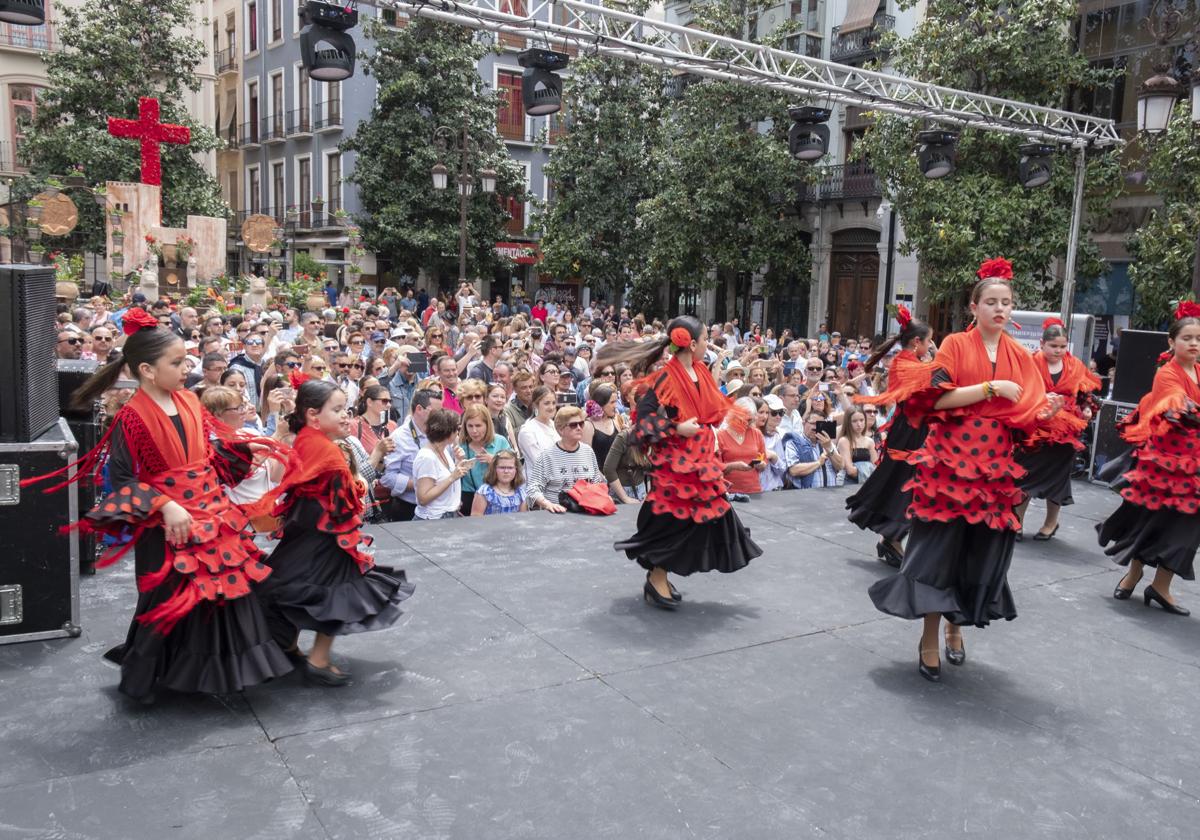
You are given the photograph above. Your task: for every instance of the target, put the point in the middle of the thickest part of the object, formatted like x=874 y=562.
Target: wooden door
x=854 y=280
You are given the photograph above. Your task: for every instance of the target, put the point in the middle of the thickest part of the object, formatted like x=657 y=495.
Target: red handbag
x=586 y=497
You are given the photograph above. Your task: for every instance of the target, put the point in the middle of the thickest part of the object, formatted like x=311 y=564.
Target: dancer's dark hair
x=641 y=355
x=914 y=329
x=312 y=394
x=146 y=346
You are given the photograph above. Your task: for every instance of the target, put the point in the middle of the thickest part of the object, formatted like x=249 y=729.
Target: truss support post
x=1068 y=296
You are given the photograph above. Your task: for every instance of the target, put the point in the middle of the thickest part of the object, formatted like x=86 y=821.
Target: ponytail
x=143 y=347
x=104 y=379
x=912 y=330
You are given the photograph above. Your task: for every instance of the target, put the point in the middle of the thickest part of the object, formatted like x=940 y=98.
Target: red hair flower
x=1164 y=357
x=296 y=378
x=138 y=319
x=1052 y=321
x=681 y=338
x=996 y=267
x=903 y=316
x=1187 y=309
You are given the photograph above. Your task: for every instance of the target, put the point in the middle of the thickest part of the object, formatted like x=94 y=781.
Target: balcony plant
x=33 y=209
x=52 y=186
x=293 y=213
x=33 y=231
x=114 y=216
x=118 y=236
x=100 y=194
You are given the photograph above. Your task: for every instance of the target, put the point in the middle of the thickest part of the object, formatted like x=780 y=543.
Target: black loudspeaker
x=72 y=373
x=39 y=565
x=28 y=390
x=1106 y=438
x=1137 y=362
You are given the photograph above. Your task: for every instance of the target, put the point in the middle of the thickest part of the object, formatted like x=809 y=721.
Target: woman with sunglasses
x=559 y=467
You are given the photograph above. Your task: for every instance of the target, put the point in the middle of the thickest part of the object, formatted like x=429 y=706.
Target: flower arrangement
x=154 y=245
x=184 y=247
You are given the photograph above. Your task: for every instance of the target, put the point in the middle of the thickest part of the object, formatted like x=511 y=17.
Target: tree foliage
x=427 y=78
x=1016 y=49
x=111 y=54
x=1164 y=248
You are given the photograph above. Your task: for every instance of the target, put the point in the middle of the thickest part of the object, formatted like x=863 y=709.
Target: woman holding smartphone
x=439 y=467
x=743 y=449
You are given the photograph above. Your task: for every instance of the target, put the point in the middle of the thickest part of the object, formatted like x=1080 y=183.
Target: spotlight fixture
x=937 y=152
x=541 y=87
x=1037 y=164
x=23 y=12
x=808 y=138
x=326 y=48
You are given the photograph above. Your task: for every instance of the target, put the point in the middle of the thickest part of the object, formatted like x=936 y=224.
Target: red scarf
x=701 y=399
x=162 y=430
x=315 y=461
x=907 y=375
x=1074 y=379
x=965 y=359
x=1173 y=389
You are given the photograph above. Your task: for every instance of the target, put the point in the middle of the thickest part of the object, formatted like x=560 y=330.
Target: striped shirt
x=557 y=470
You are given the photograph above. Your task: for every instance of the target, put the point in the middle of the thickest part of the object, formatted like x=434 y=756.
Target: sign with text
x=1083 y=328
x=522 y=253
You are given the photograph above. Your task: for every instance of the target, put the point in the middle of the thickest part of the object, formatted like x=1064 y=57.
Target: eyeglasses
x=71 y=341
x=817 y=398
x=870 y=411
x=319 y=368
x=357 y=365
x=243 y=330
x=814 y=369
x=472 y=398
x=575 y=424
x=608 y=373
x=254 y=342
x=356 y=341
x=383 y=400
x=330 y=348
x=101 y=338
x=294 y=365
x=778 y=413
x=551 y=370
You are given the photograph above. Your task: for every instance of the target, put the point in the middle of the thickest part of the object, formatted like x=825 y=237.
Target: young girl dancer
x=686 y=525
x=324 y=575
x=198 y=626
x=881 y=504
x=1158 y=524
x=964 y=489
x=1048 y=455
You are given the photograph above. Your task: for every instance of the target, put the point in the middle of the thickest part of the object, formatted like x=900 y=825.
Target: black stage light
x=541 y=87
x=937 y=154
x=1037 y=164
x=23 y=12
x=808 y=138
x=326 y=48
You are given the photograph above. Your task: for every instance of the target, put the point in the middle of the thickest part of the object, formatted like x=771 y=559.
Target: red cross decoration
x=151 y=132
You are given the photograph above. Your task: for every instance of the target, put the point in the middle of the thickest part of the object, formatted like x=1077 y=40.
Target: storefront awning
x=860 y=14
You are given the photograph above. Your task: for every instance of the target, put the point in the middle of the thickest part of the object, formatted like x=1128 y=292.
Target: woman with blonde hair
x=481 y=443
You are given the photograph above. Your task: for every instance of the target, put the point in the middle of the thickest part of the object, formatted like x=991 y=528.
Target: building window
x=276 y=20
x=252 y=112
x=253 y=189
x=303 y=123
x=515 y=206
x=278 y=196
x=251 y=27
x=333 y=102
x=277 y=105
x=304 y=188
x=23 y=107
x=333 y=181
x=231 y=186
x=510 y=116
x=230 y=29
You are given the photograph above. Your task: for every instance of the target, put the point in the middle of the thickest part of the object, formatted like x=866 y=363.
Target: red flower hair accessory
x=1164 y=357
x=138 y=319
x=996 y=267
x=297 y=378
x=680 y=337
x=1187 y=309
x=1053 y=322
x=903 y=316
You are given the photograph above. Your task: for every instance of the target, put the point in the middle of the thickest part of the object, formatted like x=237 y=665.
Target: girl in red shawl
x=1048 y=456
x=1158 y=524
x=198 y=626
x=965 y=486
x=324 y=576
x=881 y=504
x=686 y=524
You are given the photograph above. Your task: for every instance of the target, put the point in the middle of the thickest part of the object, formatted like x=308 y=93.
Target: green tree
x=1015 y=49
x=600 y=174
x=726 y=183
x=112 y=53
x=1164 y=248
x=427 y=78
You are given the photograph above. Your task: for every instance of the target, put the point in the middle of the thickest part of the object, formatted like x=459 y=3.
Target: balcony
x=250 y=134
x=300 y=123
x=862 y=44
x=9 y=160
x=41 y=38
x=846 y=181
x=230 y=135
x=805 y=44
x=272 y=129
x=327 y=116
x=226 y=60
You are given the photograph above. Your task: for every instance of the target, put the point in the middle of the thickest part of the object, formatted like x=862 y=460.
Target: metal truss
x=681 y=49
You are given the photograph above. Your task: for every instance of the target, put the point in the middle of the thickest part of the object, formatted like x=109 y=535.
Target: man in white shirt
x=791 y=422
x=408 y=438
x=773 y=477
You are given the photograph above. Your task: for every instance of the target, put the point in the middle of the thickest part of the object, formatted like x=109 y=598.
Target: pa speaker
x=1137 y=362
x=28 y=379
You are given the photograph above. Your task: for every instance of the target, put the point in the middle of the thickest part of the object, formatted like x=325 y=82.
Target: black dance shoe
x=931 y=673
x=1020 y=537
x=1122 y=594
x=324 y=676
x=1040 y=537
x=888 y=554
x=1151 y=594
x=956 y=656
x=296 y=656
x=675 y=596
x=650 y=595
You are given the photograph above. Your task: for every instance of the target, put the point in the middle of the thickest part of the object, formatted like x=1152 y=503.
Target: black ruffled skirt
x=881 y=504
x=315 y=585
x=956 y=569
x=684 y=547
x=1163 y=537
x=218 y=648
x=1048 y=472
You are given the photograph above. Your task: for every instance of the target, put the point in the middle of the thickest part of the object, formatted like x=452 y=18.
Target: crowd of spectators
x=464 y=407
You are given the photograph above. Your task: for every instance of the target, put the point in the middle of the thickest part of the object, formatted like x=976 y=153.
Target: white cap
x=773 y=402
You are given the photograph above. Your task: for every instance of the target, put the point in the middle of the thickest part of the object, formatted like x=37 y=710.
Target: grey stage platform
x=529 y=693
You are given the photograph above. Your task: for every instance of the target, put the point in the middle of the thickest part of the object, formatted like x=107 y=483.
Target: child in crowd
x=502 y=490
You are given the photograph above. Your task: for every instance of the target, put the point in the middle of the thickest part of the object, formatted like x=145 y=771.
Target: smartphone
x=300 y=348
x=469 y=462
x=567 y=399
x=829 y=427
x=756 y=462
x=418 y=363
x=824 y=386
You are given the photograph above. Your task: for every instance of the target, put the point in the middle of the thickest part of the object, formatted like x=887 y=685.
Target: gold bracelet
x=989 y=390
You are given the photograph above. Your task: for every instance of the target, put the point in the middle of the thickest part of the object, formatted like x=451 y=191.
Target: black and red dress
x=1158 y=522
x=198 y=625
x=964 y=490
x=1048 y=454
x=685 y=524
x=881 y=504
x=324 y=576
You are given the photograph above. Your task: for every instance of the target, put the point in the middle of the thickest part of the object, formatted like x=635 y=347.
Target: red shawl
x=1173 y=389
x=162 y=430
x=907 y=375
x=1074 y=379
x=965 y=359
x=315 y=460
x=705 y=403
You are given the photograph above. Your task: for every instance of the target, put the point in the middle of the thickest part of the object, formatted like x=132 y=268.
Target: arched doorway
x=854 y=281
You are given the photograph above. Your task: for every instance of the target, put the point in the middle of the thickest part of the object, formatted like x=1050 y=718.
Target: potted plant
x=33 y=209
x=354 y=271
x=154 y=246
x=184 y=247
x=100 y=194
x=354 y=235
x=33 y=231
x=293 y=213
x=75 y=177
x=318 y=204
x=118 y=260
x=114 y=216
x=340 y=216
x=36 y=252
x=53 y=186
x=276 y=248
x=118 y=236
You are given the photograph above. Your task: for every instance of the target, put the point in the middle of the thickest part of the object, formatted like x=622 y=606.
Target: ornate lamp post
x=468 y=151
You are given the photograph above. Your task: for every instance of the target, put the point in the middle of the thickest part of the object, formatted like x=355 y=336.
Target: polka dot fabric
x=965 y=470
x=341 y=515
x=689 y=480
x=1166 y=472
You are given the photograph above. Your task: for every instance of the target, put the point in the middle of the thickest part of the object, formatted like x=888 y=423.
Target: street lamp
x=467 y=149
x=1158 y=94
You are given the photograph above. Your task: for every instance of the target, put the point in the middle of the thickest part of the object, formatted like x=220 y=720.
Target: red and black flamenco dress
x=881 y=504
x=324 y=577
x=198 y=625
x=685 y=524
x=964 y=491
x=1048 y=454
x=1158 y=522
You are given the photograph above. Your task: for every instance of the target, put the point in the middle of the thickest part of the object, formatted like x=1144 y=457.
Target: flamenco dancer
x=324 y=577
x=1158 y=524
x=198 y=626
x=686 y=524
x=881 y=504
x=964 y=488
x=1048 y=456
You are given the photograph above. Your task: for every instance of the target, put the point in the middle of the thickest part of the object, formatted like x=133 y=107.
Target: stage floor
x=529 y=693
